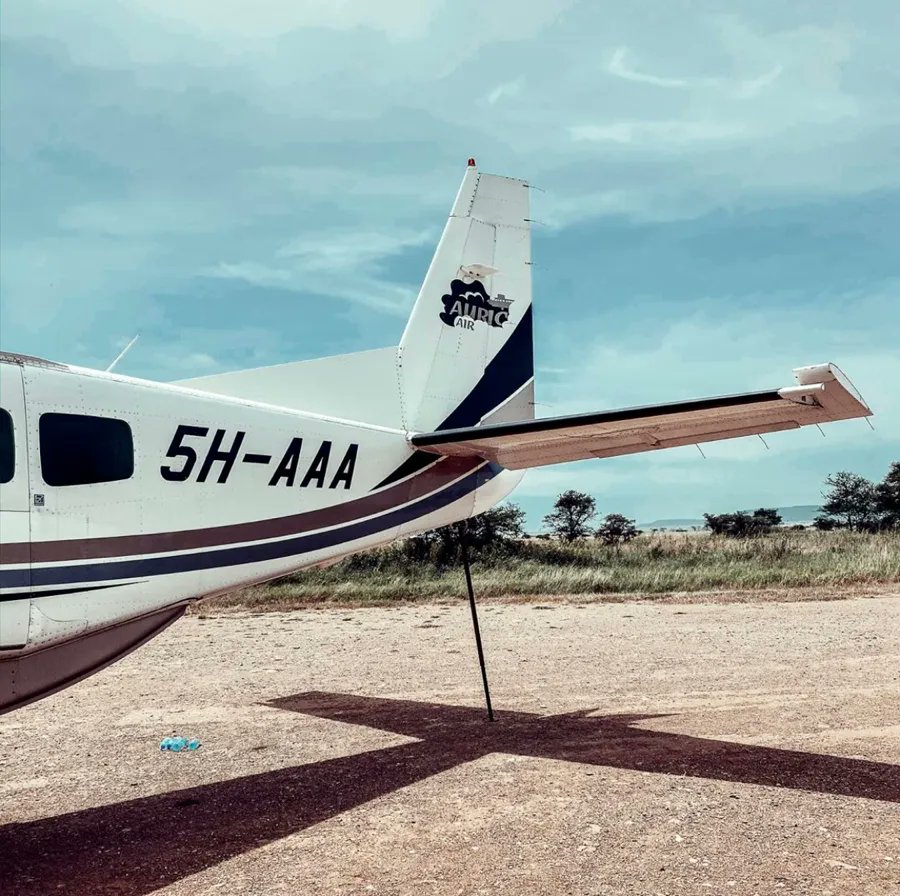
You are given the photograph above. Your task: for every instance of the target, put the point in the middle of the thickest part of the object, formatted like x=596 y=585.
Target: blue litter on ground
x=178 y=744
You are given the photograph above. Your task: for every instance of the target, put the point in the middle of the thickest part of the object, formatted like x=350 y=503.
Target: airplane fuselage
x=129 y=499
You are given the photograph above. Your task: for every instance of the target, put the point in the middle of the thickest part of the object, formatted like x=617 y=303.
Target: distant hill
x=791 y=516
x=799 y=513
x=672 y=524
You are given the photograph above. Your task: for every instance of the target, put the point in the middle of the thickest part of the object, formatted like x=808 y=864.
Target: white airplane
x=124 y=500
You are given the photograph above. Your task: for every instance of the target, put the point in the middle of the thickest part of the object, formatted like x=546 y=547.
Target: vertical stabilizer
x=466 y=354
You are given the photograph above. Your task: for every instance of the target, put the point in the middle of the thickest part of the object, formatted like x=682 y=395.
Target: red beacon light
x=471 y=163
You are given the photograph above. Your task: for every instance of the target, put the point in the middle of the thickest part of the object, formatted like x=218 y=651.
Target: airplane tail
x=466 y=354
x=465 y=357
x=461 y=382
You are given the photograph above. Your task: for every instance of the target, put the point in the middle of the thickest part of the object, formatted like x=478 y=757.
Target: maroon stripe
x=18 y=552
x=427 y=481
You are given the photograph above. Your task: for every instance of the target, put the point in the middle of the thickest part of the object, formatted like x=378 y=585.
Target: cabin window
x=77 y=449
x=7 y=447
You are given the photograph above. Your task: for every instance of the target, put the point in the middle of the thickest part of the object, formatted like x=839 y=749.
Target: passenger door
x=15 y=501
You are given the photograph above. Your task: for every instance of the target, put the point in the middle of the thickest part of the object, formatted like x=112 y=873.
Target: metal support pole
x=484 y=679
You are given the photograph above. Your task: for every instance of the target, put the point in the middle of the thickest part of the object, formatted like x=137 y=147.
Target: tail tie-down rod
x=464 y=544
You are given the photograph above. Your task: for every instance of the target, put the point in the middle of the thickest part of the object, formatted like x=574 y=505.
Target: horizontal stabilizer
x=822 y=395
x=361 y=386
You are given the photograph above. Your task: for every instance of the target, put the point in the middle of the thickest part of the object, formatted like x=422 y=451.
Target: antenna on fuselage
x=123 y=352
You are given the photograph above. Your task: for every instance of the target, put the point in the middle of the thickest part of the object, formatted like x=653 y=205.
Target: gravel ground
x=748 y=748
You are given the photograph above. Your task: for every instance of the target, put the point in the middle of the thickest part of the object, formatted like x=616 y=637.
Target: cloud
x=667 y=135
x=251 y=272
x=343 y=264
x=618 y=68
x=332 y=252
x=755 y=86
x=745 y=89
x=267 y=19
x=506 y=90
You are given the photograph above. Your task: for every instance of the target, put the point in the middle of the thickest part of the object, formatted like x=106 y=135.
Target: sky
x=253 y=183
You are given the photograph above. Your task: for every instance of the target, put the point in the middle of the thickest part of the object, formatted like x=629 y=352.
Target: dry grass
x=653 y=566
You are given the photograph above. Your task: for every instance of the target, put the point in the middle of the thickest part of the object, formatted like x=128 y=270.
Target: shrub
x=616 y=530
x=742 y=524
x=571 y=515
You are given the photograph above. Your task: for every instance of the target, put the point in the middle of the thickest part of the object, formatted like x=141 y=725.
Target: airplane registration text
x=222 y=451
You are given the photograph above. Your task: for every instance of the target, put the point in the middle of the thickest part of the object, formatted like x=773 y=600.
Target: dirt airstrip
x=639 y=748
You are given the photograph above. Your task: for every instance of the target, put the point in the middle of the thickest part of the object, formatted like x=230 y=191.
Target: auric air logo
x=468 y=303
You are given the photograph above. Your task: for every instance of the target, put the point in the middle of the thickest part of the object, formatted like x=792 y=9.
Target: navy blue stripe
x=15 y=578
x=55 y=592
x=416 y=462
x=510 y=369
x=258 y=553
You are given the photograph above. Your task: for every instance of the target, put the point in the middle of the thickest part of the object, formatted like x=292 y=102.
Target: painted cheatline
x=822 y=395
x=234 y=555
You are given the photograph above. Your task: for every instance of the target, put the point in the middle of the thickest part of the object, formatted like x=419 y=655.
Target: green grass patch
x=653 y=564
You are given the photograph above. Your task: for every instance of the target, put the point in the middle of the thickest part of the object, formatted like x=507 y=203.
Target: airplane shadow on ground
x=137 y=846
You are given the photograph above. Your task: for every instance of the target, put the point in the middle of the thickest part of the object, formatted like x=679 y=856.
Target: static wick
x=701 y=451
x=870 y=423
x=123 y=352
x=820 y=430
x=763 y=441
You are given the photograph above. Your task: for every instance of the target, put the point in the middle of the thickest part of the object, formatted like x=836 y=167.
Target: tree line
x=850 y=502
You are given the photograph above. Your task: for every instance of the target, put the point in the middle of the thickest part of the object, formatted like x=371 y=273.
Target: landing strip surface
x=746 y=748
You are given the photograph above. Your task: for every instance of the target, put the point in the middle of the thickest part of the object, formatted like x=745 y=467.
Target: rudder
x=466 y=354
